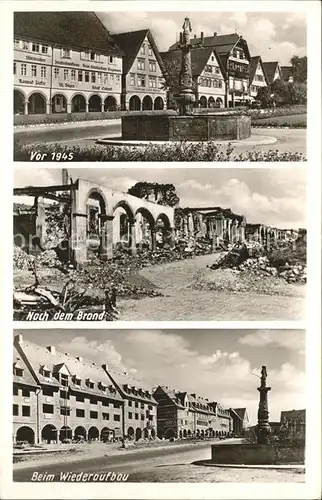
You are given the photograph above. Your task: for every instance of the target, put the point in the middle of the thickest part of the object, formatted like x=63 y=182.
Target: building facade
x=272 y=71
x=55 y=74
x=240 y=421
x=257 y=76
x=184 y=415
x=143 y=84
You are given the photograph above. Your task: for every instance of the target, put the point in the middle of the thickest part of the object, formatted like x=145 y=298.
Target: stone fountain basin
x=198 y=127
x=258 y=454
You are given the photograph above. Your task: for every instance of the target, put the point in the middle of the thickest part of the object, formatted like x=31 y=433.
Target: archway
x=78 y=104
x=18 y=102
x=180 y=434
x=49 y=433
x=203 y=101
x=144 y=228
x=80 y=432
x=96 y=226
x=219 y=102
x=169 y=433
x=184 y=433
x=25 y=434
x=198 y=433
x=59 y=104
x=146 y=433
x=65 y=433
x=110 y=103
x=211 y=102
x=107 y=434
x=130 y=433
x=93 y=434
x=135 y=103
x=37 y=104
x=94 y=103
x=138 y=434
x=158 y=103
x=153 y=433
x=216 y=433
x=163 y=231
x=123 y=232
x=189 y=433
x=147 y=103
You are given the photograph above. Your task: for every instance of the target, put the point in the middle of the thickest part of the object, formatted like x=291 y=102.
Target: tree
x=264 y=95
x=299 y=69
x=164 y=194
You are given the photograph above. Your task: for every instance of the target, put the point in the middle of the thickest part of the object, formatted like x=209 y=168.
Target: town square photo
x=159 y=406
x=174 y=244
x=160 y=86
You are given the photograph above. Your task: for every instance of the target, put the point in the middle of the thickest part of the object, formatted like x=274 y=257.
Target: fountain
x=187 y=125
x=265 y=451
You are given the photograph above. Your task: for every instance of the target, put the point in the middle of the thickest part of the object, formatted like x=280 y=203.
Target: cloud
x=166 y=358
x=261 y=338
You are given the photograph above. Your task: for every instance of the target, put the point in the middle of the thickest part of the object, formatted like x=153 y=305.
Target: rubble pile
x=262 y=267
x=21 y=260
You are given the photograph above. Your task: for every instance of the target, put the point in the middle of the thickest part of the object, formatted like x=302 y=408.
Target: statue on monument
x=186 y=97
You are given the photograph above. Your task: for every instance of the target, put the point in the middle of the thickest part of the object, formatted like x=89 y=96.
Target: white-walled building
x=257 y=76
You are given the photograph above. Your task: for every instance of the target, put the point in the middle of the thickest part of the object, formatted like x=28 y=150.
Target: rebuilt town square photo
x=160 y=86
x=126 y=405
x=167 y=244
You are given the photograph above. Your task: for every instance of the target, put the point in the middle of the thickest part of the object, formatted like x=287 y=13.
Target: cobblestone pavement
x=181 y=303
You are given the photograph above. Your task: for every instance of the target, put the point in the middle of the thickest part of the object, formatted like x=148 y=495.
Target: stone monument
x=263 y=427
x=186 y=97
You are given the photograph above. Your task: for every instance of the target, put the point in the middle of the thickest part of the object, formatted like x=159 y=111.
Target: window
x=142 y=50
x=23 y=72
x=87 y=80
x=64 y=394
x=80 y=76
x=44 y=49
x=130 y=403
x=73 y=77
x=93 y=401
x=48 y=408
x=136 y=416
x=15 y=391
x=46 y=373
x=93 y=414
x=117 y=405
x=80 y=413
x=105 y=403
x=141 y=64
x=56 y=72
x=15 y=410
x=65 y=53
x=208 y=68
x=217 y=70
x=117 y=418
x=111 y=59
x=152 y=82
x=142 y=417
x=152 y=66
x=117 y=78
x=16 y=44
x=112 y=78
x=92 y=56
x=26 y=393
x=150 y=51
x=25 y=45
x=132 y=79
x=43 y=74
x=14 y=68
x=93 y=77
x=65 y=411
x=150 y=407
x=64 y=378
x=106 y=416
x=99 y=78
x=141 y=81
x=130 y=414
x=65 y=74
x=212 y=58
x=136 y=404
x=35 y=47
x=26 y=411
x=48 y=391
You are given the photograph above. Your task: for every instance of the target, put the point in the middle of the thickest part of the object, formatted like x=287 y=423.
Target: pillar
x=40 y=220
x=86 y=107
x=79 y=239
x=106 y=248
x=102 y=106
x=69 y=107
x=133 y=237
x=48 y=108
x=26 y=107
x=154 y=239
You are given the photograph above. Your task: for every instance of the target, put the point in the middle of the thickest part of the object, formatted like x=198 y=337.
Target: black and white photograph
x=160 y=86
x=175 y=244
x=159 y=406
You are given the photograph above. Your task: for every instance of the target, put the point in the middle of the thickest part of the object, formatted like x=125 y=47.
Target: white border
x=311 y=489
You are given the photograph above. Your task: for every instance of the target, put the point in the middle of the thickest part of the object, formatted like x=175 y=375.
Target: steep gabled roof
x=130 y=43
x=253 y=66
x=71 y=29
x=270 y=69
x=223 y=44
x=199 y=58
x=27 y=378
x=241 y=412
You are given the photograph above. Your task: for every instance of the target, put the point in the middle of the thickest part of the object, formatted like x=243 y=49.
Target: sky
x=273 y=196
x=275 y=36
x=221 y=365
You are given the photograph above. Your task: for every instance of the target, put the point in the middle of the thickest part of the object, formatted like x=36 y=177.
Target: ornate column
x=186 y=97
x=263 y=427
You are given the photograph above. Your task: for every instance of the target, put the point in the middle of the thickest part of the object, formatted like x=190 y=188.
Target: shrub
x=179 y=151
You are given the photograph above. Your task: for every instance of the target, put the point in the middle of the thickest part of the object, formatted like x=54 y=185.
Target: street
x=85 y=134
x=162 y=465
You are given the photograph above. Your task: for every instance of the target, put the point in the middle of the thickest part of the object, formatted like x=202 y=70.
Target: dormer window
x=64 y=380
x=102 y=386
x=65 y=53
x=45 y=371
x=18 y=370
x=90 y=383
x=77 y=380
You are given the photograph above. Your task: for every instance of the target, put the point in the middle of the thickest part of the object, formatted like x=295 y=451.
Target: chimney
x=51 y=349
x=215 y=33
x=19 y=338
x=64 y=176
x=105 y=367
x=79 y=358
x=201 y=36
x=94 y=364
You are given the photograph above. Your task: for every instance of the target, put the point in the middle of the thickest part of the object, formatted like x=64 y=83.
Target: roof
x=241 y=413
x=27 y=379
x=223 y=44
x=129 y=386
x=270 y=69
x=36 y=357
x=199 y=59
x=70 y=29
x=287 y=72
x=130 y=43
x=253 y=66
x=293 y=415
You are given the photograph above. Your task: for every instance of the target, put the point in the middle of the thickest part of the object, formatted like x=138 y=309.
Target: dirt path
x=181 y=303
